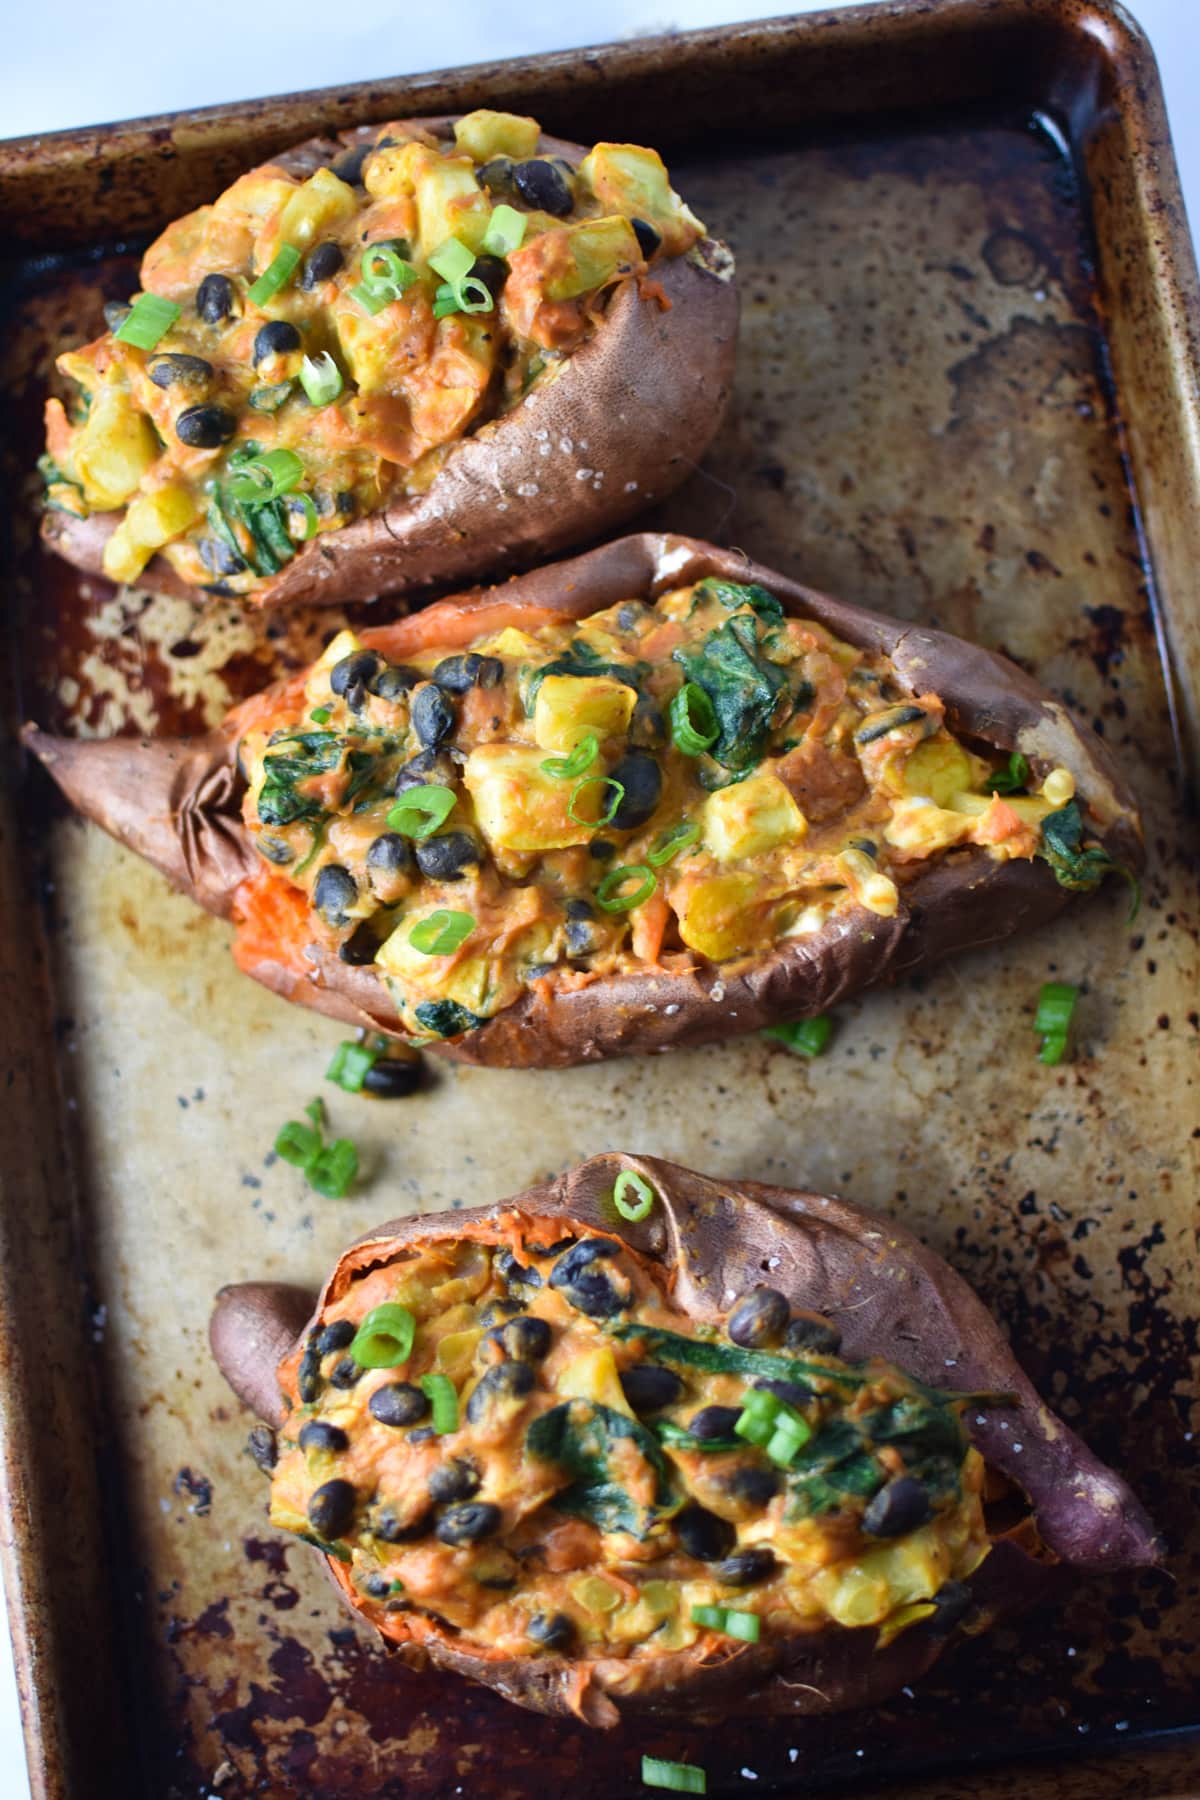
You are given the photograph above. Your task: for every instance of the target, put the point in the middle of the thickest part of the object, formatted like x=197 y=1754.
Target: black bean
x=649 y=240
x=331 y=1509
x=216 y=555
x=757 y=1487
x=452 y=1480
x=393 y=680
x=647 y=726
x=393 y=1077
x=334 y=891
x=349 y=678
x=334 y=1336
x=115 y=313
x=455 y=674
x=587 y=1288
x=188 y=371
x=579 y=909
x=758 y=1318
x=641 y=777
x=214 y=299
x=433 y=717
x=425 y=769
x=447 y=857
x=581 y=937
x=275 y=338
x=469 y=1524
x=344 y=1374
x=953 y=1600
x=360 y=947
x=746 y=1567
x=703 y=1535
x=309 y=1380
x=389 y=1527
x=399 y=1403
x=498 y=1388
x=714 y=1421
x=648 y=1387
x=377 y=1587
x=809 y=1331
x=321 y=264
x=496 y=1312
x=205 y=427
x=275 y=850
x=349 y=167
x=263 y=1450
x=792 y=1393
x=550 y=1631
x=542 y=184
x=499 y=1582
x=497 y=177
x=317 y=1434
x=898 y=1508
x=345 y=503
x=424 y=1434
x=515 y=1273
x=523 y=1339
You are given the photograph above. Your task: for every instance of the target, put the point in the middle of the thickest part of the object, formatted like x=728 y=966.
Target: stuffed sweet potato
x=650 y=796
x=414 y=353
x=600 y=1466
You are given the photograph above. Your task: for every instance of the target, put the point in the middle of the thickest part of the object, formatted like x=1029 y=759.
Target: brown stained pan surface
x=921 y=424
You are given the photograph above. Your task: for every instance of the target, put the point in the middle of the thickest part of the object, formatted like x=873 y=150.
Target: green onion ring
x=440 y=1392
x=672 y=842
x=605 y=817
x=276 y=275
x=441 y=933
x=385 y=1337
x=420 y=810
x=694 y=724
x=606 y=894
x=566 y=768
x=640 y=1208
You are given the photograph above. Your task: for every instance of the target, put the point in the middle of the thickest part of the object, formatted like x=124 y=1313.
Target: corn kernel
x=1059 y=787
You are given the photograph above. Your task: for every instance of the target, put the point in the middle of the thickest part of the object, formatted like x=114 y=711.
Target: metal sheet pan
x=966 y=394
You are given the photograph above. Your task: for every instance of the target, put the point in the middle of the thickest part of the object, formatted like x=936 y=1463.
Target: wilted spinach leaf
x=743 y=686
x=446 y=1018
x=736 y=593
x=292 y=761
x=580 y=1437
x=730 y=1359
x=1075 y=867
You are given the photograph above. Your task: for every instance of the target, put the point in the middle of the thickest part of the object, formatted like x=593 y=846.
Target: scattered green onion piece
x=445 y=301
x=470 y=295
x=1056 y=1003
x=808 y=1037
x=1013 y=779
x=270 y=399
x=265 y=477
x=566 y=768
x=381 y=266
x=743 y=1625
x=315 y=1110
x=1054 y=1047
x=680 y=1778
x=505 y=232
x=321 y=379
x=693 y=720
x=672 y=842
x=452 y=260
x=762 y=1403
x=636 y=1210
x=372 y=300
x=304 y=503
x=607 y=891
x=610 y=811
x=420 y=810
x=276 y=275
x=320 y=715
x=298 y=1144
x=790 y=1435
x=148 y=321
x=440 y=1392
x=442 y=932
x=385 y=1337
x=333 y=1170
x=350 y=1066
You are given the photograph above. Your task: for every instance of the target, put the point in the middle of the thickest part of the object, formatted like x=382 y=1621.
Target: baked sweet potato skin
x=636 y=406
x=178 y=806
x=890 y=1296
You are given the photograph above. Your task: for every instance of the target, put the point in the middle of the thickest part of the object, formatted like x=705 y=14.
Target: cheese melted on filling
x=657 y=785
x=574 y=1508
x=163 y=433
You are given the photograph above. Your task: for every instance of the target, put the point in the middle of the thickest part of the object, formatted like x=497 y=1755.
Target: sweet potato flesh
x=658 y=785
x=411 y=361
x=592 y=1487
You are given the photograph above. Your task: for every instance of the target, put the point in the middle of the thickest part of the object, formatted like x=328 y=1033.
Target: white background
x=126 y=60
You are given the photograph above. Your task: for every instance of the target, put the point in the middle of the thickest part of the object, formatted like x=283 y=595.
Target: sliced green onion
x=1013 y=779
x=1056 y=1003
x=148 y=321
x=385 y=1337
x=610 y=811
x=1054 y=1047
x=303 y=503
x=808 y=1037
x=505 y=232
x=381 y=264
x=420 y=810
x=333 y=1170
x=566 y=768
x=270 y=399
x=452 y=261
x=265 y=477
x=744 y=1625
x=608 y=893
x=298 y=1144
x=321 y=379
x=442 y=932
x=350 y=1066
x=635 y=1210
x=680 y=1778
x=373 y=300
x=440 y=1392
x=315 y=1110
x=693 y=720
x=320 y=715
x=276 y=275
x=672 y=842
x=470 y=295
x=791 y=1433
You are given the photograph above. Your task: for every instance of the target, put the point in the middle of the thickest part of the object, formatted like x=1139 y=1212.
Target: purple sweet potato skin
x=635 y=407
x=890 y=1296
x=963 y=901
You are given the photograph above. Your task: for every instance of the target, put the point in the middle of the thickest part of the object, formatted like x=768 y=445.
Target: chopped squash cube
x=634 y=181
x=115 y=447
x=920 y=826
x=937 y=769
x=751 y=817
x=592 y=1375
x=568 y=707
x=888 y=1576
x=597 y=251
x=1031 y=809
x=323 y=203
x=521 y=808
x=463 y=979
x=718 y=917
x=484 y=134
x=151 y=520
